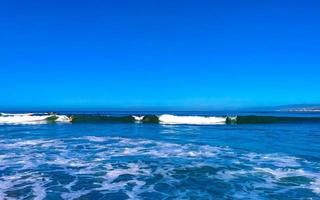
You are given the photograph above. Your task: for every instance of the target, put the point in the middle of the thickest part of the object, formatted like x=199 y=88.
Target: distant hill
x=299 y=108
x=289 y=108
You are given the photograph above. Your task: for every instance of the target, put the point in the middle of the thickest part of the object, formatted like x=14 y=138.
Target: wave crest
x=173 y=119
x=31 y=118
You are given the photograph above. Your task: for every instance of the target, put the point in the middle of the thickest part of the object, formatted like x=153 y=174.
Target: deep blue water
x=154 y=161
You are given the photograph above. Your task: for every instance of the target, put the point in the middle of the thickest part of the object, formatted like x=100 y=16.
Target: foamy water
x=130 y=168
x=174 y=119
x=30 y=118
x=173 y=157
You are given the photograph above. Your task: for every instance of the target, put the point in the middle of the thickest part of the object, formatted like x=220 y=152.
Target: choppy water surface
x=156 y=161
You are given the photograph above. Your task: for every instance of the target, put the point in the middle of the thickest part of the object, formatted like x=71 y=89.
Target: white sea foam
x=17 y=114
x=281 y=173
x=23 y=119
x=95 y=138
x=135 y=166
x=39 y=191
x=131 y=169
x=315 y=186
x=4 y=186
x=74 y=194
x=63 y=118
x=142 y=147
x=173 y=119
x=138 y=118
x=71 y=162
x=18 y=181
x=275 y=159
x=23 y=143
x=30 y=118
x=134 y=169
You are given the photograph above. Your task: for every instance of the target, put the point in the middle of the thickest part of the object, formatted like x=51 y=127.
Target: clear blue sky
x=196 y=54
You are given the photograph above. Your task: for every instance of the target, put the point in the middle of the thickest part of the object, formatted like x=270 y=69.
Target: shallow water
x=155 y=161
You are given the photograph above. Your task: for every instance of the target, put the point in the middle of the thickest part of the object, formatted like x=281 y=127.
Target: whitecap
x=31 y=118
x=198 y=120
x=95 y=138
x=138 y=118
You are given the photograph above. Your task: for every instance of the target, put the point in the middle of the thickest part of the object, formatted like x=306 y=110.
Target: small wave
x=101 y=119
x=253 y=119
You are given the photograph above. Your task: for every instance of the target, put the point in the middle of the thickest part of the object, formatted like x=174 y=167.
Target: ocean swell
x=40 y=118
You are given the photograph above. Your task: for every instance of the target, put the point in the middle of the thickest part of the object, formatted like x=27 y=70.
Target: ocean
x=160 y=155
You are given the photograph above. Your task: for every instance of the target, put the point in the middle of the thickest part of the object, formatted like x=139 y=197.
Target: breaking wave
x=38 y=118
x=162 y=119
x=173 y=119
x=196 y=120
x=31 y=118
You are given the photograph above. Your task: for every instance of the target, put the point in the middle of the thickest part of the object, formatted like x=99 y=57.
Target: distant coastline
x=304 y=110
x=300 y=108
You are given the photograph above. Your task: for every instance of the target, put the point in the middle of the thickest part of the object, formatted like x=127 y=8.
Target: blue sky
x=133 y=54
